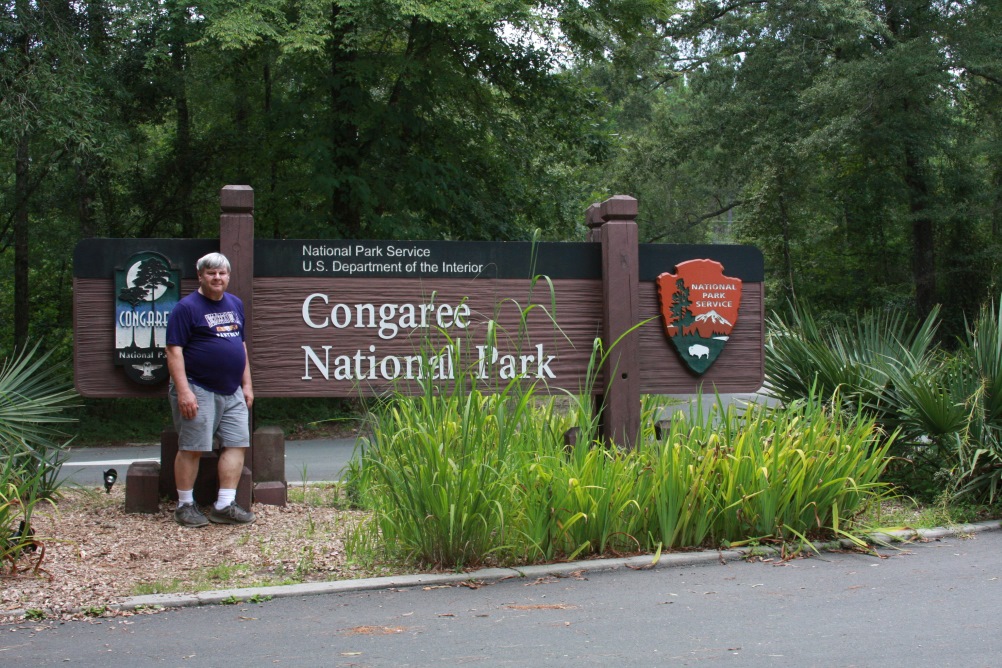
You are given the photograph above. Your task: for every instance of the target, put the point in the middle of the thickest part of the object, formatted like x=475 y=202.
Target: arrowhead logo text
x=699 y=308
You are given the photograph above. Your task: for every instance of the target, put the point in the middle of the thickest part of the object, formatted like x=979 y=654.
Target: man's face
x=213 y=282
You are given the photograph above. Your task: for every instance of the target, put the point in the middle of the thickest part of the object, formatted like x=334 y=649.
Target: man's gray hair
x=212 y=261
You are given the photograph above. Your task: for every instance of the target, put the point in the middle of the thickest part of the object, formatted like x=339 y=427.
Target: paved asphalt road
x=934 y=604
x=321 y=459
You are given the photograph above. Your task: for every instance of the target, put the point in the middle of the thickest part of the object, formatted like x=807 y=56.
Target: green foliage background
x=856 y=142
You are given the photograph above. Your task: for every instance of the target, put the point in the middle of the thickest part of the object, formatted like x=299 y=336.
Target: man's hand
x=186 y=401
x=245 y=383
x=187 y=404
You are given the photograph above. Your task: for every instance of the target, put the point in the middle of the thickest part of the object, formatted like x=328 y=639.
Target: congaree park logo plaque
x=146 y=289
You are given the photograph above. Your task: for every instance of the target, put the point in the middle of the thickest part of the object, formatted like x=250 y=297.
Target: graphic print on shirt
x=224 y=325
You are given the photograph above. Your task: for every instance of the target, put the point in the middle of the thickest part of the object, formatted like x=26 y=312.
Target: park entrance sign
x=340 y=318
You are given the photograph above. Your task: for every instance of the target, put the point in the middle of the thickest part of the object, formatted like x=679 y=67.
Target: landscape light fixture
x=110 y=476
x=22 y=540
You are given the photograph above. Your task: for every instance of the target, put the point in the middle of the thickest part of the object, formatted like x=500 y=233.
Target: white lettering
x=143 y=319
x=312 y=356
x=306 y=311
x=370 y=365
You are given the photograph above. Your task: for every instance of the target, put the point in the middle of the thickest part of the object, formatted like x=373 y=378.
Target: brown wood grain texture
x=278 y=332
x=621 y=370
x=739 y=368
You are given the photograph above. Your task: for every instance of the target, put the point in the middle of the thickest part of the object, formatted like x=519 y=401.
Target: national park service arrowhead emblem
x=699 y=308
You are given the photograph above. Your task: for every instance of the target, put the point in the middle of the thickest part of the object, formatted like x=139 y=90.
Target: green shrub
x=32 y=448
x=459 y=478
x=855 y=358
x=980 y=443
x=945 y=406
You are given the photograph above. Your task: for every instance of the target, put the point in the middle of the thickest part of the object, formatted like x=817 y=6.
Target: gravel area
x=93 y=555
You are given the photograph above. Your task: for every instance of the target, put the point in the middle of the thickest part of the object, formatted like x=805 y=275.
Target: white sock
x=185 y=497
x=226 y=497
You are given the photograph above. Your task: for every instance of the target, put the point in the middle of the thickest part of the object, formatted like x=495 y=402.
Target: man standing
x=210 y=391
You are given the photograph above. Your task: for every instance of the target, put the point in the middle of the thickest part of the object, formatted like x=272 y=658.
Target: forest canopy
x=856 y=142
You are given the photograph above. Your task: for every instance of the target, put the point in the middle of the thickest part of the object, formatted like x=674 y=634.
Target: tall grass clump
x=33 y=397
x=439 y=467
x=579 y=498
x=777 y=473
x=462 y=478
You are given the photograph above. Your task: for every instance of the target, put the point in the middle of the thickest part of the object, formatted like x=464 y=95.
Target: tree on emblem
x=680 y=303
x=133 y=296
x=151 y=275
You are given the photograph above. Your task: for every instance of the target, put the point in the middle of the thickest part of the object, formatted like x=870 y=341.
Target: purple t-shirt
x=211 y=335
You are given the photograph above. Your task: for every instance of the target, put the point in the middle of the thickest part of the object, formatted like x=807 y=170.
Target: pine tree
x=681 y=315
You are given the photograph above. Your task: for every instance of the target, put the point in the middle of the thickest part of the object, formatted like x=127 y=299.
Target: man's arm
x=245 y=383
x=186 y=401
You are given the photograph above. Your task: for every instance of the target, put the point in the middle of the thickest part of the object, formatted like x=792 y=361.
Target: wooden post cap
x=236 y=199
x=619 y=207
x=593 y=216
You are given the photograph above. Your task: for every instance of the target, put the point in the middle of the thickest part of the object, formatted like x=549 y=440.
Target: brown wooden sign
x=344 y=318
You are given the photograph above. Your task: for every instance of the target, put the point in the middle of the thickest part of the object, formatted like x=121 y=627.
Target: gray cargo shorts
x=222 y=414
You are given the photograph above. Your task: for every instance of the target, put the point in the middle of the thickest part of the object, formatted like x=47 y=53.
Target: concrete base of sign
x=142 y=487
x=148 y=482
x=272 y=493
x=270 y=486
x=269 y=455
x=207 y=482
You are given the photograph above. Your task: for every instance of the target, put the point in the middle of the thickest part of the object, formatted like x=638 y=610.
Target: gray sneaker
x=189 y=515
x=231 y=514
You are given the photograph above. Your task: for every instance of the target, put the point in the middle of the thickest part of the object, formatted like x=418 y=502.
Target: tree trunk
x=243 y=143
x=343 y=137
x=270 y=145
x=85 y=202
x=787 y=253
x=997 y=208
x=182 y=138
x=89 y=168
x=22 y=305
x=22 y=157
x=923 y=236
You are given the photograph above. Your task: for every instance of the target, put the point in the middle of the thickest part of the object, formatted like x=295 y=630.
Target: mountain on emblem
x=699 y=307
x=713 y=317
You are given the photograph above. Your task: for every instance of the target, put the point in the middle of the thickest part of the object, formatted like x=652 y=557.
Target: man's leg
x=226 y=510
x=187 y=513
x=194 y=436
x=186 y=468
x=234 y=433
x=231 y=465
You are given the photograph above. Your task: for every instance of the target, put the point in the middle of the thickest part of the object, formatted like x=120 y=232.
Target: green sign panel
x=146 y=289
